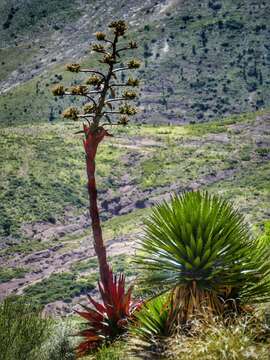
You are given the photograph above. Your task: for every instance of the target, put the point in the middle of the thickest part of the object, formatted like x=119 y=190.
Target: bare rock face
x=45 y=231
x=57 y=308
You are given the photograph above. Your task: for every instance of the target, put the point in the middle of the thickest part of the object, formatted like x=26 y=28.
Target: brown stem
x=106 y=82
x=94 y=135
x=91 y=143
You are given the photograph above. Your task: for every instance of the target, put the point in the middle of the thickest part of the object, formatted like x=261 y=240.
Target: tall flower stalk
x=107 y=105
x=102 y=91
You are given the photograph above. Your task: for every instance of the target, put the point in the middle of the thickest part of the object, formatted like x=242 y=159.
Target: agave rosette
x=199 y=246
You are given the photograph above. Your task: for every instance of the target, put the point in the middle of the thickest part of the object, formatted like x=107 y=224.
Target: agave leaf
x=199 y=246
x=193 y=244
x=197 y=262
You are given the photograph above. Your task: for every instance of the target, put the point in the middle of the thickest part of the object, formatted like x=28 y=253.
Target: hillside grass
x=43 y=167
x=60 y=286
x=247 y=338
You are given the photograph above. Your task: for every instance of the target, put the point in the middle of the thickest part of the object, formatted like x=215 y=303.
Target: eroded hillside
x=202 y=59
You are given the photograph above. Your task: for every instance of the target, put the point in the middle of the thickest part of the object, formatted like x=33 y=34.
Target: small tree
x=103 y=89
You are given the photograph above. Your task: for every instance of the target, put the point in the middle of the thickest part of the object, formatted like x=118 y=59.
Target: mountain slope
x=44 y=221
x=202 y=60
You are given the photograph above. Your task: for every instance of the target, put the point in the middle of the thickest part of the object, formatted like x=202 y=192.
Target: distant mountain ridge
x=202 y=60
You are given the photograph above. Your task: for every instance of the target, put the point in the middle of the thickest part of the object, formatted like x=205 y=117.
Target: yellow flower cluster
x=127 y=110
x=94 y=80
x=98 y=48
x=133 y=64
x=71 y=113
x=132 y=82
x=119 y=27
x=108 y=59
x=73 y=67
x=58 y=90
x=88 y=108
x=100 y=36
x=79 y=90
x=129 y=95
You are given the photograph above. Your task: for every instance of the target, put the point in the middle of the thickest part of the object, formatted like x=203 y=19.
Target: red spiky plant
x=102 y=90
x=109 y=320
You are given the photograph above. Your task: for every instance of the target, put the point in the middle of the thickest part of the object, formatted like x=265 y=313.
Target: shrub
x=22 y=330
x=263 y=151
x=60 y=345
x=115 y=351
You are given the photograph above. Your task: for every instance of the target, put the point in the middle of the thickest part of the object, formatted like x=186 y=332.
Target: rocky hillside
x=202 y=59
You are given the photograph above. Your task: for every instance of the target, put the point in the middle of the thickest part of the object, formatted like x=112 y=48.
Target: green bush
x=22 y=330
x=263 y=151
x=61 y=344
x=152 y=326
x=7 y=274
x=62 y=286
x=113 y=352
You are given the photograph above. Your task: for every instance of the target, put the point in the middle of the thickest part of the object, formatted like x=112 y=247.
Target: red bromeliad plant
x=107 y=320
x=102 y=91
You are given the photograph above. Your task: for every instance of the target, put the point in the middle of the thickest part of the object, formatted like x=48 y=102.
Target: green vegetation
x=16 y=57
x=245 y=188
x=120 y=263
x=192 y=152
x=238 y=340
x=203 y=269
x=186 y=153
x=26 y=335
x=152 y=324
x=40 y=167
x=116 y=351
x=22 y=330
x=198 y=250
x=61 y=286
x=7 y=274
x=26 y=246
x=34 y=338
x=34 y=17
x=61 y=343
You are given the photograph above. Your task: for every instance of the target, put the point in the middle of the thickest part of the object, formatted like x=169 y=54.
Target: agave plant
x=199 y=246
x=107 y=320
